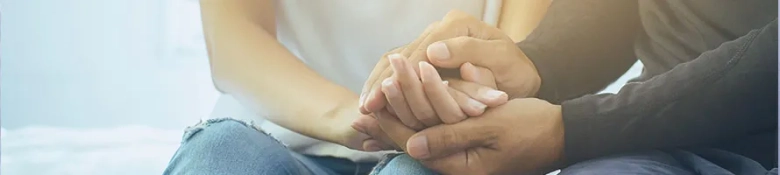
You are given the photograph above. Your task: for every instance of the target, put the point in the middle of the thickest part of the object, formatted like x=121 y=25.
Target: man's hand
x=451 y=100
x=520 y=137
x=425 y=100
x=454 y=24
x=459 y=39
x=514 y=73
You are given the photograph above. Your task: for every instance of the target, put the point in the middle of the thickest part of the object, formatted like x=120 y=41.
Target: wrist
x=339 y=121
x=558 y=136
x=532 y=77
x=540 y=75
x=535 y=77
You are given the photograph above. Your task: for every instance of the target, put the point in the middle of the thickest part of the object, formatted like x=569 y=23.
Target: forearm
x=248 y=63
x=520 y=18
x=581 y=46
x=726 y=93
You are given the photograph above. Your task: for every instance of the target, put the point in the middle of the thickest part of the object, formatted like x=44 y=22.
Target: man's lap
x=698 y=161
x=654 y=162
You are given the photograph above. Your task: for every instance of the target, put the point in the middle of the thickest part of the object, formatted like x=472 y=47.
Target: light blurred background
x=99 y=86
x=102 y=86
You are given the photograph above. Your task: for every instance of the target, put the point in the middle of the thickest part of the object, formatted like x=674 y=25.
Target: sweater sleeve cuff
x=582 y=139
x=547 y=90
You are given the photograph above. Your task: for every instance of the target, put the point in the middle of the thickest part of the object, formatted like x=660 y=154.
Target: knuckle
x=458 y=16
x=386 y=73
x=393 y=98
x=455 y=24
x=449 y=138
x=448 y=23
x=460 y=42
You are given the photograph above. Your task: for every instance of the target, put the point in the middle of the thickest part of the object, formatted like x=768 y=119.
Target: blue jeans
x=227 y=146
x=656 y=162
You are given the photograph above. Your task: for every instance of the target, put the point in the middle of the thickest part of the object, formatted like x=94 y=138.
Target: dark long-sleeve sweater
x=710 y=75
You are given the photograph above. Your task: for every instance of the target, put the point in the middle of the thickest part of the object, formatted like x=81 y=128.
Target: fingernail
x=469 y=65
x=476 y=104
x=471 y=69
x=492 y=94
x=418 y=147
x=439 y=51
x=395 y=56
x=425 y=73
x=395 y=59
x=362 y=99
x=390 y=89
x=445 y=82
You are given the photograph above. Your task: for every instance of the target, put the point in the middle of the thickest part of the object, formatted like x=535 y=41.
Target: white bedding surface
x=130 y=150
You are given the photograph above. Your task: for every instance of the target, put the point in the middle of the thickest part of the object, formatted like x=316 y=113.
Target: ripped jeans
x=229 y=146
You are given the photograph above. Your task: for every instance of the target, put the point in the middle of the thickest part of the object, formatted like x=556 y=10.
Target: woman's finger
x=446 y=107
x=373 y=98
x=413 y=92
x=396 y=99
x=481 y=93
x=394 y=129
x=378 y=138
x=466 y=104
x=372 y=145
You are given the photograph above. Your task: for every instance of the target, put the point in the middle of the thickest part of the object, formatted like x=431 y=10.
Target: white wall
x=97 y=63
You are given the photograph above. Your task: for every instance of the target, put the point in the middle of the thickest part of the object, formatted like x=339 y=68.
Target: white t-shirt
x=342 y=40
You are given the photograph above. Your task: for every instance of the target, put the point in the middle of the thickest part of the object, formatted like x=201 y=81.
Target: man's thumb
x=443 y=140
x=452 y=53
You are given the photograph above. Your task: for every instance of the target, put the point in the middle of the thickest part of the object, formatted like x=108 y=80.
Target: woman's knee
x=228 y=145
x=226 y=132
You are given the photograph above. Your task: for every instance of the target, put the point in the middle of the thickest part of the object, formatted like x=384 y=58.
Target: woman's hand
x=461 y=97
x=428 y=100
x=455 y=24
x=358 y=135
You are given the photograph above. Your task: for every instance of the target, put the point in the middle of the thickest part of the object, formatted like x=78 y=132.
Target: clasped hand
x=455 y=100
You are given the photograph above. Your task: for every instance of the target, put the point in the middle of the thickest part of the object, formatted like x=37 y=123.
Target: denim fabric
x=229 y=146
x=394 y=164
x=671 y=162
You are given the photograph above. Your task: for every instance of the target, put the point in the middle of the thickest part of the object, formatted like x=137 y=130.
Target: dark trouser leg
x=701 y=161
